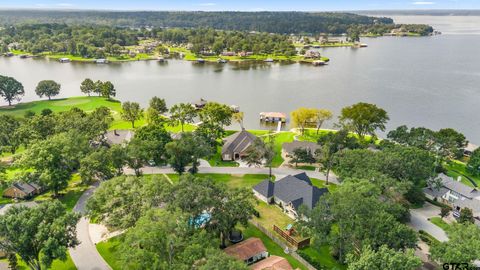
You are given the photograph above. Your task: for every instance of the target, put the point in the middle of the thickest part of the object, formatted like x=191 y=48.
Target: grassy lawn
x=233 y=181
x=56 y=264
x=271 y=215
x=272 y=247
x=322 y=256
x=280 y=139
x=321 y=184
x=58 y=105
x=311 y=135
x=457 y=168
x=440 y=223
x=69 y=196
x=306 y=167
x=110 y=252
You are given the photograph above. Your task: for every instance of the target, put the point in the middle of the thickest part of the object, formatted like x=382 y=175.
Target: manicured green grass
x=280 y=139
x=68 y=196
x=110 y=251
x=232 y=181
x=272 y=215
x=56 y=264
x=272 y=247
x=311 y=135
x=322 y=256
x=58 y=105
x=321 y=184
x=457 y=168
x=306 y=167
x=440 y=223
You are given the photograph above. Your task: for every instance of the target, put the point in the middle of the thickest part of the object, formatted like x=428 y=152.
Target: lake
x=426 y=81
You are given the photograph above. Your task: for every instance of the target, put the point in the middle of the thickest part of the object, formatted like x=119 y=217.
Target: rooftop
x=246 y=249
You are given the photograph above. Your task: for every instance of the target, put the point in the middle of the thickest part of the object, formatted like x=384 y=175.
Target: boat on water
x=200 y=60
x=268 y=60
x=161 y=59
x=64 y=60
x=221 y=61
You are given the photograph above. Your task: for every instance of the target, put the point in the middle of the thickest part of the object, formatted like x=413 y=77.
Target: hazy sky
x=244 y=5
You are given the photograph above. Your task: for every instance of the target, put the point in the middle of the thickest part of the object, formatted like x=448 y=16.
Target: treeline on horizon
x=271 y=22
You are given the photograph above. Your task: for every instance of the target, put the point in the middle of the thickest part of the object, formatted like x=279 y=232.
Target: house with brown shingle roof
x=235 y=146
x=249 y=251
x=272 y=263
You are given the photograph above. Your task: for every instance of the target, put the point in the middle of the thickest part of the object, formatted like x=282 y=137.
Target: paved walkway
x=85 y=255
x=278 y=172
x=419 y=221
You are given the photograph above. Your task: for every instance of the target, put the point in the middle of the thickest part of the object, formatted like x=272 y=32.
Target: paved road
x=278 y=172
x=85 y=255
x=419 y=221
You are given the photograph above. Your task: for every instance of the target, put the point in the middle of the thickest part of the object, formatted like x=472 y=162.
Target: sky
x=242 y=5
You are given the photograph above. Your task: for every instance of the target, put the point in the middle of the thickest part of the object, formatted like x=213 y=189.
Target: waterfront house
x=228 y=53
x=22 y=190
x=456 y=194
x=468 y=151
x=249 y=251
x=122 y=137
x=289 y=193
x=290 y=147
x=236 y=145
x=312 y=54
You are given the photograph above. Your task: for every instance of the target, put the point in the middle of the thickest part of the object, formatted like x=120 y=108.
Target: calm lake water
x=428 y=81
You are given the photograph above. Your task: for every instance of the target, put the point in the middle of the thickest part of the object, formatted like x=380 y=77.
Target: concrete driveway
x=419 y=221
x=85 y=255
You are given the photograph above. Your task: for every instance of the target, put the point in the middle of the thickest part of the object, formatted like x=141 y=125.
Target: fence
x=291 y=240
x=282 y=244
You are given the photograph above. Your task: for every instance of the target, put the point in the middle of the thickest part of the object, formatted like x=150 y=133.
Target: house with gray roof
x=289 y=193
x=121 y=137
x=22 y=190
x=290 y=147
x=236 y=145
x=455 y=194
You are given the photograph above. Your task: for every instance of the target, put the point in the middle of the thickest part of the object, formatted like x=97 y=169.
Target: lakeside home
x=457 y=195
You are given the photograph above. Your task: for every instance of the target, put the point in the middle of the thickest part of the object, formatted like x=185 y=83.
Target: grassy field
x=59 y=105
x=87 y=104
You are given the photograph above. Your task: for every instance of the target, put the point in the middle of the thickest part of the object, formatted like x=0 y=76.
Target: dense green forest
x=99 y=41
x=271 y=22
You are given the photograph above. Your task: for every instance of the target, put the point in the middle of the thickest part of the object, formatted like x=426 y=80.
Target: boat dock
x=273 y=117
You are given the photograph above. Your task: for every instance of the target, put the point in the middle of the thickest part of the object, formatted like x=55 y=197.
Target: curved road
x=85 y=255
